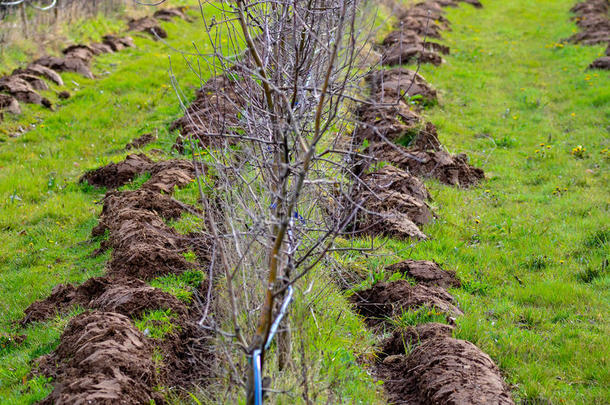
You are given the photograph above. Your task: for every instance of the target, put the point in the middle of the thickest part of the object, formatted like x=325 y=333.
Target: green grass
x=531 y=242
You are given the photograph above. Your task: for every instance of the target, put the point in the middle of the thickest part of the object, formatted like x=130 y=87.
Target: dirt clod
x=63 y=95
x=67 y=64
x=80 y=51
x=443 y=370
x=601 y=63
x=115 y=175
x=9 y=104
x=117 y=43
x=148 y=25
x=386 y=300
x=394 y=204
x=426 y=272
x=40 y=71
x=22 y=91
x=141 y=141
x=168 y=14
x=102 y=358
x=400 y=83
x=36 y=82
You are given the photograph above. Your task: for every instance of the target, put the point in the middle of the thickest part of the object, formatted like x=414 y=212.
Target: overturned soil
x=80 y=51
x=102 y=358
x=426 y=272
x=40 y=71
x=387 y=300
x=401 y=83
x=443 y=370
x=149 y=25
x=9 y=104
x=115 y=175
x=393 y=204
x=67 y=64
x=449 y=169
x=117 y=43
x=593 y=20
x=168 y=14
x=127 y=296
x=602 y=63
x=22 y=91
x=141 y=141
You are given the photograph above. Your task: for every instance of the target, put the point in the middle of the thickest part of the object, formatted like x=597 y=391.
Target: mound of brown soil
x=443 y=370
x=601 y=63
x=423 y=26
x=99 y=48
x=102 y=358
x=148 y=25
x=80 y=51
x=393 y=204
x=449 y=169
x=169 y=174
x=382 y=122
x=410 y=39
x=413 y=336
x=426 y=272
x=67 y=64
x=41 y=71
x=400 y=83
x=387 y=300
x=118 y=43
x=36 y=82
x=115 y=175
x=213 y=116
x=141 y=199
x=594 y=23
x=399 y=54
x=168 y=14
x=126 y=296
x=141 y=141
x=9 y=104
x=22 y=91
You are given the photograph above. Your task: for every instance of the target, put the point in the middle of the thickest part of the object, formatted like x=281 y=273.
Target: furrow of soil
x=593 y=20
x=423 y=364
x=24 y=84
x=102 y=356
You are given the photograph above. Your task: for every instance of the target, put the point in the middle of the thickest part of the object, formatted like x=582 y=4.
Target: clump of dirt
x=168 y=14
x=601 y=63
x=443 y=370
x=426 y=272
x=80 y=51
x=412 y=336
x=393 y=204
x=9 y=104
x=141 y=141
x=386 y=300
x=101 y=358
x=40 y=71
x=449 y=169
x=36 y=82
x=22 y=91
x=594 y=23
x=117 y=43
x=400 y=54
x=63 y=95
x=115 y=175
x=169 y=174
x=100 y=48
x=67 y=64
x=141 y=199
x=383 y=122
x=409 y=39
x=401 y=83
x=213 y=117
x=127 y=296
x=148 y=25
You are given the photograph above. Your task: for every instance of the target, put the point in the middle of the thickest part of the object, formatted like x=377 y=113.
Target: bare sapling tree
x=271 y=130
